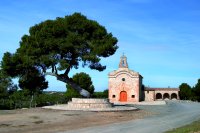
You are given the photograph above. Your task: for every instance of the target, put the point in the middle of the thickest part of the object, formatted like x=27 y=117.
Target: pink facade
x=124 y=84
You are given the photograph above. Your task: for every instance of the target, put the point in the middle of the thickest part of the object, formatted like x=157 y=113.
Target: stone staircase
x=89 y=104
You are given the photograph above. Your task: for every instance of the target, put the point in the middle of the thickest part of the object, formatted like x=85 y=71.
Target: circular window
x=123 y=79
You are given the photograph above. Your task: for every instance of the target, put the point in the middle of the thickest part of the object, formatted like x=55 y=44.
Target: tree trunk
x=81 y=91
x=31 y=101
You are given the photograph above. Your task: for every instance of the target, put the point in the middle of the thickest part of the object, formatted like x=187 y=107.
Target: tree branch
x=43 y=68
x=67 y=71
x=52 y=74
x=56 y=71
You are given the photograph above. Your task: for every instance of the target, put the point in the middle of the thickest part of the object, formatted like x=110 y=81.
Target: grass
x=191 y=128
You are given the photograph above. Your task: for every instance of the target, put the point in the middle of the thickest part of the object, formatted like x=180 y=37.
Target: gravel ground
x=40 y=120
x=166 y=117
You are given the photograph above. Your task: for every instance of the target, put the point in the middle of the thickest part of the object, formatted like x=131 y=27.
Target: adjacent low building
x=152 y=94
x=125 y=85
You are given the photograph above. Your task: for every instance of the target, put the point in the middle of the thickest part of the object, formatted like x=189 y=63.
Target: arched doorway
x=166 y=96
x=158 y=96
x=173 y=96
x=123 y=96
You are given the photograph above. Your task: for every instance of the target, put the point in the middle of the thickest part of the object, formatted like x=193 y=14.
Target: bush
x=46 y=99
x=6 y=104
x=103 y=94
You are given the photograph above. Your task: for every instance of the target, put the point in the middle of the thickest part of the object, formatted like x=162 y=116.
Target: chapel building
x=125 y=85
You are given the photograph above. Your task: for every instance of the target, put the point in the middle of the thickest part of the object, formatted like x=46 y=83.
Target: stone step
x=88 y=105
x=89 y=100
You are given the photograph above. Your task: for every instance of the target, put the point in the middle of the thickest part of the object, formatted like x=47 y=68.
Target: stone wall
x=85 y=103
x=149 y=95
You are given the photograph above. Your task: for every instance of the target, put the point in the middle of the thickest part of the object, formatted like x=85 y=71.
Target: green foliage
x=6 y=88
x=33 y=81
x=17 y=99
x=20 y=99
x=70 y=93
x=84 y=81
x=50 y=99
x=6 y=104
x=197 y=90
x=103 y=94
x=12 y=64
x=6 y=85
x=185 y=91
x=188 y=93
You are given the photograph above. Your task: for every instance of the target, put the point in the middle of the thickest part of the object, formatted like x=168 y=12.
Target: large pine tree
x=54 y=47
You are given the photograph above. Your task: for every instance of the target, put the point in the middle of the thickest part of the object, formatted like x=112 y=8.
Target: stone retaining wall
x=84 y=103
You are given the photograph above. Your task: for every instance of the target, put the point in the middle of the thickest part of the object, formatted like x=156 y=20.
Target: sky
x=161 y=38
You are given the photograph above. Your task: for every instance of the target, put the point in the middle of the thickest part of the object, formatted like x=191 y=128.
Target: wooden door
x=123 y=96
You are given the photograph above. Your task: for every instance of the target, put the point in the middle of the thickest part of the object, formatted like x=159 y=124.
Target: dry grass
x=191 y=128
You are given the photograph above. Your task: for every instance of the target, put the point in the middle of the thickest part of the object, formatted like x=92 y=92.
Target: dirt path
x=40 y=120
x=172 y=115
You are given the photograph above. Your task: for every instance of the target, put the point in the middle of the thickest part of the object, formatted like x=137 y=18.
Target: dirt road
x=172 y=115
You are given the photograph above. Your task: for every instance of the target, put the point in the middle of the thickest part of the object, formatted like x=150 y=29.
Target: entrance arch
x=166 y=96
x=173 y=96
x=123 y=96
x=158 y=96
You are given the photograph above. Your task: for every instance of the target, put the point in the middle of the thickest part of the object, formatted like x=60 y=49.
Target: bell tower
x=123 y=62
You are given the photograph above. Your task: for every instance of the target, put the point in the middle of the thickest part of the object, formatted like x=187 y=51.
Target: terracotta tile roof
x=161 y=89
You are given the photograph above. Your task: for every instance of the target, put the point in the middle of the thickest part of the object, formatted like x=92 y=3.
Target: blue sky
x=161 y=38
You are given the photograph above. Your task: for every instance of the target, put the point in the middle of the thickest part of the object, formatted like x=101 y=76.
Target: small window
x=113 y=96
x=148 y=92
x=123 y=64
x=123 y=79
x=133 y=96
